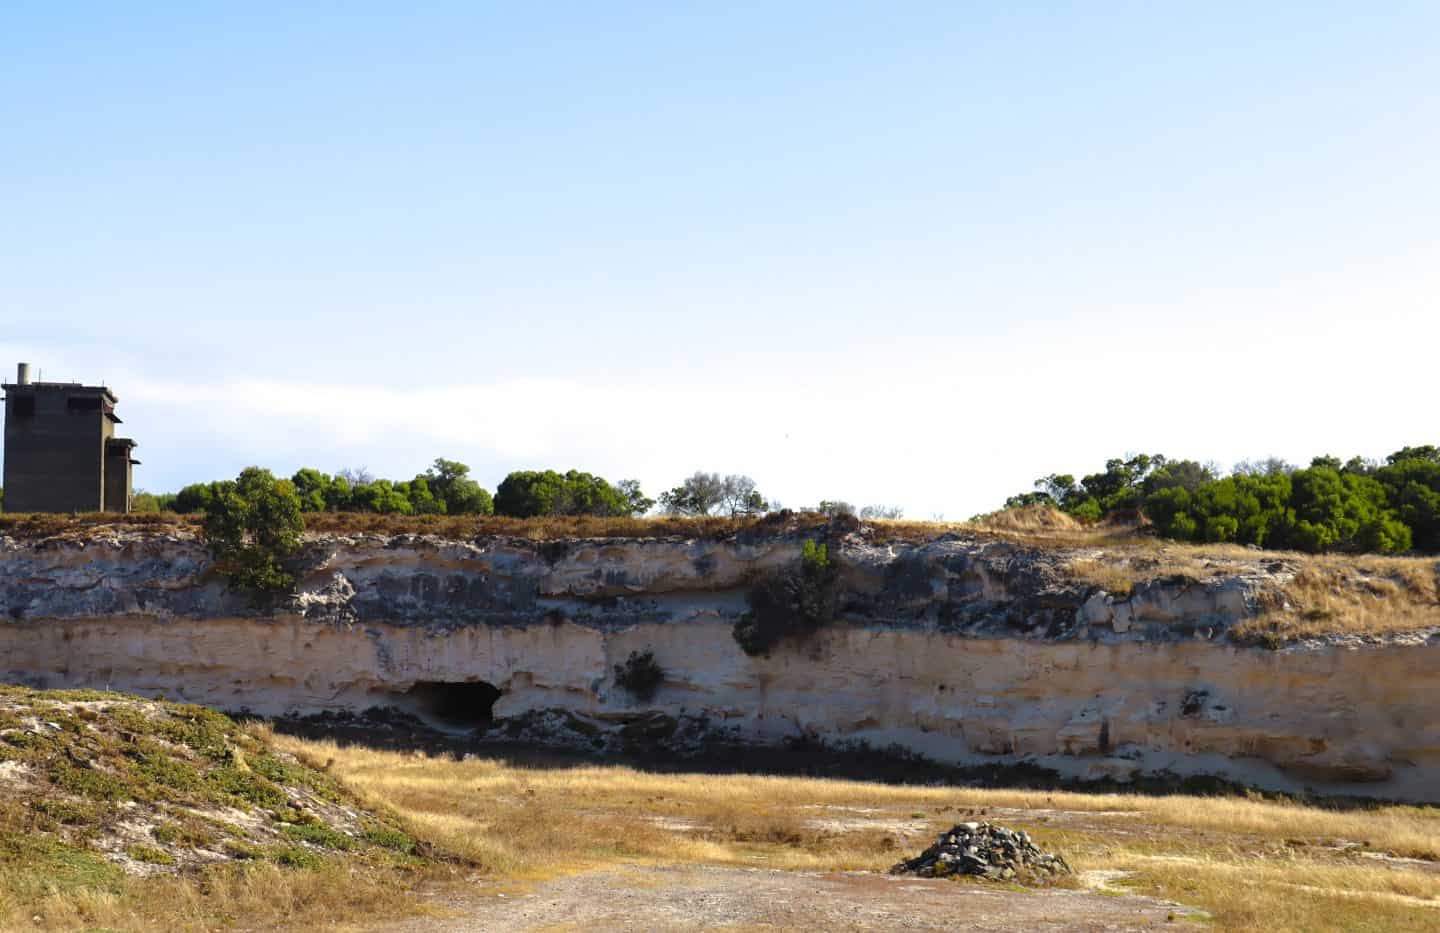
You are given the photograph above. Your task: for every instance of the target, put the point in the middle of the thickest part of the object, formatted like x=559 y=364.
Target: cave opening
x=462 y=703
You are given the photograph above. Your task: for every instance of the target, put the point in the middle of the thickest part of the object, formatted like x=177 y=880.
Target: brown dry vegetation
x=1350 y=595
x=458 y=527
x=1311 y=594
x=1036 y=524
x=1031 y=519
x=1249 y=863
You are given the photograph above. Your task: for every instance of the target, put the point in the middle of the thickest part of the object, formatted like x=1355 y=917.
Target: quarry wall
x=967 y=651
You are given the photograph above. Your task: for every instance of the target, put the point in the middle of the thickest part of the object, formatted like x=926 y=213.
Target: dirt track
x=686 y=898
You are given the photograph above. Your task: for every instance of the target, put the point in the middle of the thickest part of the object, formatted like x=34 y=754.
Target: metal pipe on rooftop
x=22 y=375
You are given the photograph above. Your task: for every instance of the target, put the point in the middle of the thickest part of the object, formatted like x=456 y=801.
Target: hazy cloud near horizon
x=949 y=434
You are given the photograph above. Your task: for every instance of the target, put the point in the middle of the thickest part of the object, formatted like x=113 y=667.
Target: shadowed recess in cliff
x=464 y=703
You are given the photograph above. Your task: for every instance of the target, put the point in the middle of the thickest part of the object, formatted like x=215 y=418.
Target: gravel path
x=704 y=897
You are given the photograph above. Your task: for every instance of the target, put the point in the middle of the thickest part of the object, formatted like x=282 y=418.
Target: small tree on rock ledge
x=253 y=528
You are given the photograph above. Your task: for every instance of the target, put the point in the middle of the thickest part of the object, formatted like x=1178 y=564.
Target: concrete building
x=61 y=452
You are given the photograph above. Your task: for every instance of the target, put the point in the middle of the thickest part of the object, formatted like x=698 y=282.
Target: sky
x=912 y=254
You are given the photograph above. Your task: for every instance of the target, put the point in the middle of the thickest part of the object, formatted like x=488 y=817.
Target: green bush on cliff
x=253 y=528
x=791 y=604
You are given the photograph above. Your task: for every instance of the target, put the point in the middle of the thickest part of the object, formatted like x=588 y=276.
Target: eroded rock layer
x=963 y=650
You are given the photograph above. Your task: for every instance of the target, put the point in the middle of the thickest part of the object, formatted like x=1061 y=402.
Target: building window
x=23 y=406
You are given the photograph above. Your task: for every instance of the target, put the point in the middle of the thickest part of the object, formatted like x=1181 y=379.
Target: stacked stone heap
x=984 y=850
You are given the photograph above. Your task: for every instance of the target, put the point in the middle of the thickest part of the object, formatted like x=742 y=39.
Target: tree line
x=1356 y=505
x=446 y=488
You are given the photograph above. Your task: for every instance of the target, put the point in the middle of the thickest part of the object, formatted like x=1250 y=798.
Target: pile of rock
x=983 y=850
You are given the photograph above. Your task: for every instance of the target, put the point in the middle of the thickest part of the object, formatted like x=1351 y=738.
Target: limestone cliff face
x=963 y=650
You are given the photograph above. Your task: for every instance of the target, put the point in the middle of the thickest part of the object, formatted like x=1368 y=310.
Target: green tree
x=1412 y=486
x=380 y=496
x=312 y=487
x=587 y=494
x=710 y=493
x=1343 y=511
x=527 y=493
x=1061 y=489
x=1268 y=466
x=253 y=528
x=1243 y=508
x=1187 y=474
x=1120 y=486
x=422 y=500
x=636 y=501
x=700 y=494
x=200 y=497
x=1026 y=499
x=337 y=495
x=450 y=482
x=1427 y=452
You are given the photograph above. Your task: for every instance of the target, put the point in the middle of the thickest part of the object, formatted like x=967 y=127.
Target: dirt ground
x=719 y=898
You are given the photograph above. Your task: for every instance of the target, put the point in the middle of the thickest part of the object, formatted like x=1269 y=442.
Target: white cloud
x=934 y=432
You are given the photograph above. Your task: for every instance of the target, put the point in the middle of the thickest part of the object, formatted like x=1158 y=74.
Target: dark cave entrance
x=464 y=703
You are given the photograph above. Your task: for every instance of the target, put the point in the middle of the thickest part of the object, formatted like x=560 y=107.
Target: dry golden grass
x=253 y=896
x=1350 y=595
x=465 y=527
x=1282 y=891
x=1250 y=863
x=1032 y=518
x=1312 y=594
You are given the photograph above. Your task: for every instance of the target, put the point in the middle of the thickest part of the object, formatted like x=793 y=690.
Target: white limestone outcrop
x=962 y=650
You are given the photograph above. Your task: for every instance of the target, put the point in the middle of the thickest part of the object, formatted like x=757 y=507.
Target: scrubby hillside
x=117 y=811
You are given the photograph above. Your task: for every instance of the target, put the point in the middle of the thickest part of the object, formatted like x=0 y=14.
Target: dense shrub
x=528 y=493
x=791 y=604
x=200 y=497
x=1412 y=484
x=253 y=528
x=1355 y=505
x=640 y=675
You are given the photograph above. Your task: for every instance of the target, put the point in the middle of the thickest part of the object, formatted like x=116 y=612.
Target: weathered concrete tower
x=61 y=452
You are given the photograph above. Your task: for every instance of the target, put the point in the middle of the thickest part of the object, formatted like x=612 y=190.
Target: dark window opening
x=460 y=704
x=24 y=406
x=83 y=403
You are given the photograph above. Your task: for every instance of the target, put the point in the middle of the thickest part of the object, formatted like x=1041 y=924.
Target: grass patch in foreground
x=126 y=813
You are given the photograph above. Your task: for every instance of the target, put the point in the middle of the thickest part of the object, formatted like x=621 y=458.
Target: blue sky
x=908 y=253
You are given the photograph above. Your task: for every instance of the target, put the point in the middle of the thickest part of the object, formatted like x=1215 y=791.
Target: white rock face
x=962 y=651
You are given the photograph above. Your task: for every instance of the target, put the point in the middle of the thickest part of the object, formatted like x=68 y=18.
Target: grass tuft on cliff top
x=121 y=812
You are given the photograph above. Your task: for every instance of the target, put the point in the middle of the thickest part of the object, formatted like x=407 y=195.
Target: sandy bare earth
x=703 y=897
